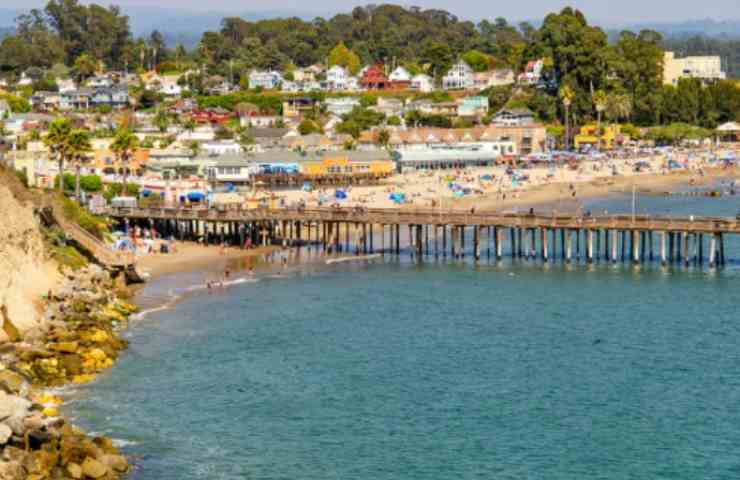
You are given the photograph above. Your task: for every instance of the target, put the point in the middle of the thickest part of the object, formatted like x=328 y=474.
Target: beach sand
x=191 y=256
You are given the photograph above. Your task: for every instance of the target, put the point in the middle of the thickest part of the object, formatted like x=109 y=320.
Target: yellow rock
x=65 y=347
x=100 y=336
x=47 y=399
x=50 y=412
x=84 y=378
x=96 y=354
x=74 y=470
x=93 y=468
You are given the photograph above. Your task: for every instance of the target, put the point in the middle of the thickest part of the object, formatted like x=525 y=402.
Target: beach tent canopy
x=397 y=197
x=340 y=194
x=196 y=196
x=146 y=192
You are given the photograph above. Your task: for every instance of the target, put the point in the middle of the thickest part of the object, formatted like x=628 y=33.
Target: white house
x=66 y=85
x=459 y=77
x=169 y=86
x=422 y=83
x=336 y=78
x=341 y=105
x=100 y=81
x=532 y=72
x=220 y=147
x=400 y=74
x=259 y=121
x=267 y=80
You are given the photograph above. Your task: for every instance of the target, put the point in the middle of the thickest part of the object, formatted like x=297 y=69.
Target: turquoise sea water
x=440 y=370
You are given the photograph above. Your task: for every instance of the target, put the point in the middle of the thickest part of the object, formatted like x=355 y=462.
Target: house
x=116 y=97
x=290 y=87
x=374 y=78
x=336 y=78
x=422 y=83
x=444 y=109
x=259 y=120
x=513 y=116
x=296 y=107
x=301 y=75
x=473 y=107
x=400 y=79
x=76 y=99
x=169 y=86
x=211 y=116
x=341 y=105
x=532 y=74
x=100 y=81
x=269 y=80
x=45 y=101
x=459 y=77
x=220 y=147
x=706 y=68
x=65 y=85
x=25 y=80
x=268 y=138
x=493 y=78
x=389 y=106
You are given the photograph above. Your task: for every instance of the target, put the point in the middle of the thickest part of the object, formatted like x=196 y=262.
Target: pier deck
x=530 y=235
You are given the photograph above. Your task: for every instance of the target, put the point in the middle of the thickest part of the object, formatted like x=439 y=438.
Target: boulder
x=13 y=406
x=93 y=468
x=64 y=347
x=116 y=463
x=11 y=382
x=5 y=434
x=74 y=470
x=11 y=470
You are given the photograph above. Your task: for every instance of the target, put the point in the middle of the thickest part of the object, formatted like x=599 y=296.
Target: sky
x=608 y=11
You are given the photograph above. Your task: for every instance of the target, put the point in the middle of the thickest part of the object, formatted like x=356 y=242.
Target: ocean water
x=392 y=369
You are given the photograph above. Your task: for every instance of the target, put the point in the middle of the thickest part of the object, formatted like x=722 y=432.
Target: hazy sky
x=601 y=10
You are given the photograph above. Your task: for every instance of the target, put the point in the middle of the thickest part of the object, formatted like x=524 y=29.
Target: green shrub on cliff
x=93 y=224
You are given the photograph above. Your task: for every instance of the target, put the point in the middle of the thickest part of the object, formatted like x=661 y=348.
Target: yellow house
x=611 y=137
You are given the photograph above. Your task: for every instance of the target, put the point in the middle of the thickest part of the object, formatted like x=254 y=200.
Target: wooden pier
x=443 y=233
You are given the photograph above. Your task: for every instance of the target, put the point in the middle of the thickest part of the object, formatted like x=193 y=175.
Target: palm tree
x=245 y=139
x=57 y=139
x=124 y=145
x=161 y=120
x=600 y=103
x=79 y=147
x=383 y=138
x=189 y=125
x=566 y=96
x=619 y=106
x=194 y=148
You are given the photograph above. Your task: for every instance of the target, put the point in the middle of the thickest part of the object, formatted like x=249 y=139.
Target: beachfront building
x=422 y=83
x=611 y=136
x=268 y=80
x=705 y=68
x=459 y=77
x=729 y=132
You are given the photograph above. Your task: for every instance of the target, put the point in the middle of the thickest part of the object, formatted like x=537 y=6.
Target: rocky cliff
x=25 y=271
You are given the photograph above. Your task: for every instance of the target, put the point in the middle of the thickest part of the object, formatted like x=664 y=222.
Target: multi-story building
x=341 y=105
x=707 y=68
x=459 y=77
x=266 y=80
x=336 y=78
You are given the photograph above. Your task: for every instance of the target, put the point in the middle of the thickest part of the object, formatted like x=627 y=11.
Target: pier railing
x=403 y=216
